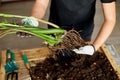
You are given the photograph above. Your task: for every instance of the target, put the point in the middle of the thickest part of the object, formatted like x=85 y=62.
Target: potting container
x=39 y=54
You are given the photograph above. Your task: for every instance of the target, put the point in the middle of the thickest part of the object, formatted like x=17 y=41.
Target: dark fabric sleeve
x=107 y=1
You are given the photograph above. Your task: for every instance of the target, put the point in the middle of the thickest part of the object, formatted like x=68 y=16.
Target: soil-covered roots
x=70 y=40
x=63 y=50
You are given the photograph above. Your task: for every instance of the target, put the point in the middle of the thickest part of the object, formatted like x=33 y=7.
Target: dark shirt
x=75 y=14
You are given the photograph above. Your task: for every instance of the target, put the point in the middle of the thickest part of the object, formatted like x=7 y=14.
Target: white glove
x=30 y=21
x=89 y=50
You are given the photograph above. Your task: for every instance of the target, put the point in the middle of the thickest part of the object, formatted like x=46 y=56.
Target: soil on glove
x=79 y=67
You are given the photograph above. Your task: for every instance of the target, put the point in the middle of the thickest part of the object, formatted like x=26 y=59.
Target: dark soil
x=79 y=67
x=64 y=64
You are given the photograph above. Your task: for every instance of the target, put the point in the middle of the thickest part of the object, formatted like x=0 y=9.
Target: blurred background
x=23 y=7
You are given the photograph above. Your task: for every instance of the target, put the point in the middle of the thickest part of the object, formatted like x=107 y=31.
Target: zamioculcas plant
x=60 y=45
x=12 y=27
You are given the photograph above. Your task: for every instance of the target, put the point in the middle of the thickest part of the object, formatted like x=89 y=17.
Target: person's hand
x=28 y=21
x=88 y=50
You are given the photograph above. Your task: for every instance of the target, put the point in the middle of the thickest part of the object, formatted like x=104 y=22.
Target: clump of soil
x=80 y=67
x=76 y=67
x=70 y=40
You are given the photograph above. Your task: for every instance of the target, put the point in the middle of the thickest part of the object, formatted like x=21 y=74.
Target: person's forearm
x=39 y=8
x=109 y=12
x=104 y=33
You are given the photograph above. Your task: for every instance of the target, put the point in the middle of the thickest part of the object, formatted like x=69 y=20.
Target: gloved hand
x=28 y=21
x=88 y=49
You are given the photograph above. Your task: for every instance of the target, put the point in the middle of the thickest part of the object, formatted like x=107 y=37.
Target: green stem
x=6 y=33
x=51 y=40
x=40 y=20
x=35 y=29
